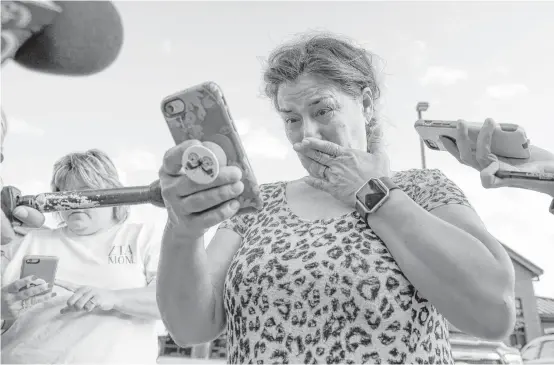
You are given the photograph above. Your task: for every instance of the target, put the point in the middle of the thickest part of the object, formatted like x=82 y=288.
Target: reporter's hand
x=27 y=219
x=22 y=294
x=194 y=208
x=484 y=161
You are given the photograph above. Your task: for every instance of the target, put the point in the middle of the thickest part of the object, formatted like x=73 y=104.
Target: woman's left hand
x=88 y=298
x=341 y=171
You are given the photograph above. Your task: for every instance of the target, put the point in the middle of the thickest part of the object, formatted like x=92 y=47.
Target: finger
x=29 y=216
x=25 y=282
x=488 y=178
x=313 y=154
x=78 y=294
x=376 y=140
x=67 y=285
x=483 y=152
x=22 y=230
x=319 y=184
x=314 y=168
x=227 y=175
x=450 y=146
x=80 y=304
x=33 y=291
x=464 y=144
x=68 y=309
x=41 y=298
x=90 y=305
x=173 y=159
x=329 y=148
x=208 y=199
x=216 y=215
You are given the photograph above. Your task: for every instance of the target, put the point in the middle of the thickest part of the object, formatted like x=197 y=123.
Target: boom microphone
x=82 y=199
x=66 y=37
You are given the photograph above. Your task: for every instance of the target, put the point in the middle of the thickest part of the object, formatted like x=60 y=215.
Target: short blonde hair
x=94 y=168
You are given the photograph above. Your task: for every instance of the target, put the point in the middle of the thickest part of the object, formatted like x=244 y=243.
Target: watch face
x=375 y=187
x=372 y=199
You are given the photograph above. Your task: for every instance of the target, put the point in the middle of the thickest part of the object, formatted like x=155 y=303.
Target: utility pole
x=421 y=107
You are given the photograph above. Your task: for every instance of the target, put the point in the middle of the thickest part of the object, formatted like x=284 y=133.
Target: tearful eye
x=291 y=120
x=324 y=112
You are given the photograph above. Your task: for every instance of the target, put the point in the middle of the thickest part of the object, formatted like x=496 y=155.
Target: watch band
x=387 y=181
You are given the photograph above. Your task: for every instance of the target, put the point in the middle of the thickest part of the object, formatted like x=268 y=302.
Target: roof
x=545 y=307
x=523 y=261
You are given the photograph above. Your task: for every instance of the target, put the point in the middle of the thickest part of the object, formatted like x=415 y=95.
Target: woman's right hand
x=22 y=294
x=193 y=208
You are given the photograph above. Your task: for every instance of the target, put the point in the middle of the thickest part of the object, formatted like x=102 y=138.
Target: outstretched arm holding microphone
x=483 y=160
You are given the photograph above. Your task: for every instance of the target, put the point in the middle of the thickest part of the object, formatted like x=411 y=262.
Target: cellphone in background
x=508 y=140
x=201 y=113
x=540 y=176
x=43 y=267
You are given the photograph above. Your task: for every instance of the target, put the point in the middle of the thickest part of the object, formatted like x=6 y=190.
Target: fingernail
x=54 y=294
x=297 y=146
x=21 y=213
x=34 y=277
x=235 y=204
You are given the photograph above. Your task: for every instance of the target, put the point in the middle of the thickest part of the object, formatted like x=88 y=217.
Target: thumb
x=488 y=178
x=29 y=216
x=376 y=140
x=450 y=146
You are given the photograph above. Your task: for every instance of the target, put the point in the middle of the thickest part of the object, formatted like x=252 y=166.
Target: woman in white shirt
x=102 y=308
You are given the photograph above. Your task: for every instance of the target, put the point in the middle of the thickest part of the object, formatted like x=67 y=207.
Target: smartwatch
x=373 y=194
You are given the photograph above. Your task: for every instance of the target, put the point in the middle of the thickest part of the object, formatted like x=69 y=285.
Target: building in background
x=545 y=307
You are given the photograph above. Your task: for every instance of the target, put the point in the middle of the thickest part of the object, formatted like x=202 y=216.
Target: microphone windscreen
x=84 y=39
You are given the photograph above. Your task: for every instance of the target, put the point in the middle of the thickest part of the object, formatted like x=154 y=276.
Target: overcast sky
x=468 y=60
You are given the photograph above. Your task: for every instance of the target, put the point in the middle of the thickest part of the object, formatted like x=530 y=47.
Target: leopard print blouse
x=329 y=291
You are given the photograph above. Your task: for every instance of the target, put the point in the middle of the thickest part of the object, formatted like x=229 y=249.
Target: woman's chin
x=77 y=227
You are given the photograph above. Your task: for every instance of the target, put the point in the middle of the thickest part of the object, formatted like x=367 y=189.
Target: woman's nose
x=310 y=128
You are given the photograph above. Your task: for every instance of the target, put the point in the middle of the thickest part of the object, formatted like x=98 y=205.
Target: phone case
x=201 y=113
x=508 y=140
x=43 y=267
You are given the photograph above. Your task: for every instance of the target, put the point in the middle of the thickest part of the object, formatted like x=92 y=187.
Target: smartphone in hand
x=201 y=112
x=508 y=140
x=43 y=267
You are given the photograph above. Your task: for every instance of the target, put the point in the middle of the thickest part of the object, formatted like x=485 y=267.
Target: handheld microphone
x=74 y=38
x=82 y=199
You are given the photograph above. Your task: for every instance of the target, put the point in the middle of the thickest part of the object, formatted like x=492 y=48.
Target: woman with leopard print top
x=307 y=279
